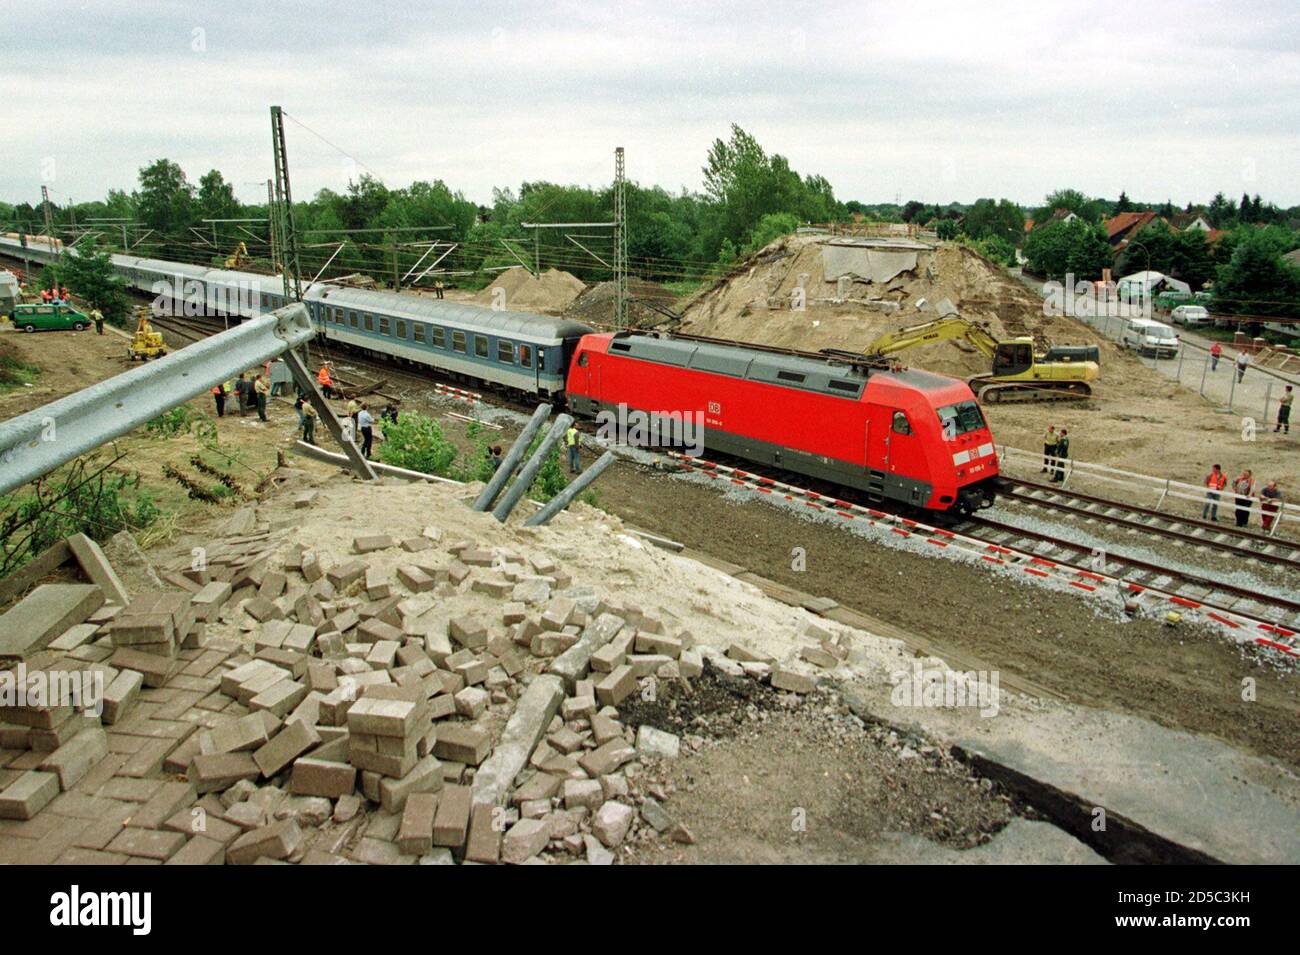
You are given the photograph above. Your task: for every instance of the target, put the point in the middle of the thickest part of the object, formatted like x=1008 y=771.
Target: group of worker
x=251 y=390
x=55 y=296
x=1056 y=452
x=1245 y=492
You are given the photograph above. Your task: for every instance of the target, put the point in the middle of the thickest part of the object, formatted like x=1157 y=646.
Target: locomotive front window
x=900 y=424
x=961 y=418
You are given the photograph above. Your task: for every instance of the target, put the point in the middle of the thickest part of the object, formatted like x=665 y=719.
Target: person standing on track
x=325 y=381
x=1062 y=455
x=1284 y=411
x=1215 y=482
x=366 y=422
x=571 y=442
x=354 y=406
x=1244 y=489
x=1049 y=447
x=241 y=393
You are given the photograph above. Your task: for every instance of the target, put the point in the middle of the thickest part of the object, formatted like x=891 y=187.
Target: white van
x=1191 y=315
x=1150 y=338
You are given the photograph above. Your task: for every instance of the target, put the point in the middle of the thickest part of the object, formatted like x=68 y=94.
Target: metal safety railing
x=1156 y=491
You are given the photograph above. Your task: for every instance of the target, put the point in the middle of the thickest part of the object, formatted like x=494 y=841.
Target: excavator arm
x=941 y=329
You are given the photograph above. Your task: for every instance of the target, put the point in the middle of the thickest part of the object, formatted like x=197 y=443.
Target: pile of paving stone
x=285 y=706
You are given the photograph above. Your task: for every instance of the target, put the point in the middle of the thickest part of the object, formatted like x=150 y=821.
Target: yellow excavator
x=1018 y=372
x=240 y=258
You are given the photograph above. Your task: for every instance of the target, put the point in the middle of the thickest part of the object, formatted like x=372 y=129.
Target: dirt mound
x=814 y=292
x=520 y=291
x=646 y=308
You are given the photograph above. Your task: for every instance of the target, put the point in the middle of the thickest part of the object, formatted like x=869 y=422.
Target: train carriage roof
x=457 y=314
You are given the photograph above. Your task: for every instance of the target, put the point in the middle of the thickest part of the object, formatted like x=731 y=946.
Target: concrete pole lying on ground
x=307 y=383
x=561 y=500
x=529 y=472
x=512 y=459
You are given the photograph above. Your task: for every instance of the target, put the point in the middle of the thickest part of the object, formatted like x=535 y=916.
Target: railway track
x=1193 y=588
x=1263 y=548
x=1260 y=618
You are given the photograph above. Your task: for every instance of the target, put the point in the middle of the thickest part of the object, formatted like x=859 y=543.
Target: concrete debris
x=370 y=702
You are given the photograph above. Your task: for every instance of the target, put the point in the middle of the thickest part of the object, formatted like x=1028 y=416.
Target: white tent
x=1152 y=282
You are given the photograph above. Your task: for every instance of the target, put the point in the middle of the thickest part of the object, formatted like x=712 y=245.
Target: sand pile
x=854 y=293
x=595 y=306
x=551 y=292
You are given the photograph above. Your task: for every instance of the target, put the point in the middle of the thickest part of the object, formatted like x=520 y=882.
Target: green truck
x=49 y=318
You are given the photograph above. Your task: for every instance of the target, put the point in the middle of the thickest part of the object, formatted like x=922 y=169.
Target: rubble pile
x=446 y=703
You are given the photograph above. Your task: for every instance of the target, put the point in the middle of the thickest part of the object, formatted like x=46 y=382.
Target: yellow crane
x=146 y=343
x=1018 y=373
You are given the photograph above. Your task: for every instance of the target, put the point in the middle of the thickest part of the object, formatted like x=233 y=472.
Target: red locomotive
x=895 y=434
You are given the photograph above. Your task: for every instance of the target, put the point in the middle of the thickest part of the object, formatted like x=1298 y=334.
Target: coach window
x=900 y=423
x=526 y=356
x=437 y=337
x=369 y=322
x=506 y=352
x=480 y=346
x=384 y=325
x=458 y=342
x=352 y=319
x=417 y=333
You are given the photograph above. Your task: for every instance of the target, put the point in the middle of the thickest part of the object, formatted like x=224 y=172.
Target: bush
x=81 y=499
x=180 y=420
x=416 y=442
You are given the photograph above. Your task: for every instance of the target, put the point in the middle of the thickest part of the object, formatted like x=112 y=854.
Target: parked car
x=47 y=318
x=1150 y=338
x=1191 y=315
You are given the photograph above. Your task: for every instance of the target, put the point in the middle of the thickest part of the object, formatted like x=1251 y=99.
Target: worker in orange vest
x=326 y=383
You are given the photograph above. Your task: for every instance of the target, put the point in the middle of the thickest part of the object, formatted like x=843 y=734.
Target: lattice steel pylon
x=620 y=241
x=282 y=216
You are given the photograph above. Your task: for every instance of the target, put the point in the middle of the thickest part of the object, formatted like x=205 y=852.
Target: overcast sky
x=932 y=100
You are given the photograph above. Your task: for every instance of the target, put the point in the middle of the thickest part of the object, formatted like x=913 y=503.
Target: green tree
x=1060 y=248
x=1091 y=210
x=1257 y=280
x=216 y=199
x=1001 y=218
x=90 y=275
x=1123 y=204
x=165 y=201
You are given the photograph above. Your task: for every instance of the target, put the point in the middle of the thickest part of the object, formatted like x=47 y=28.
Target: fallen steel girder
x=35 y=443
